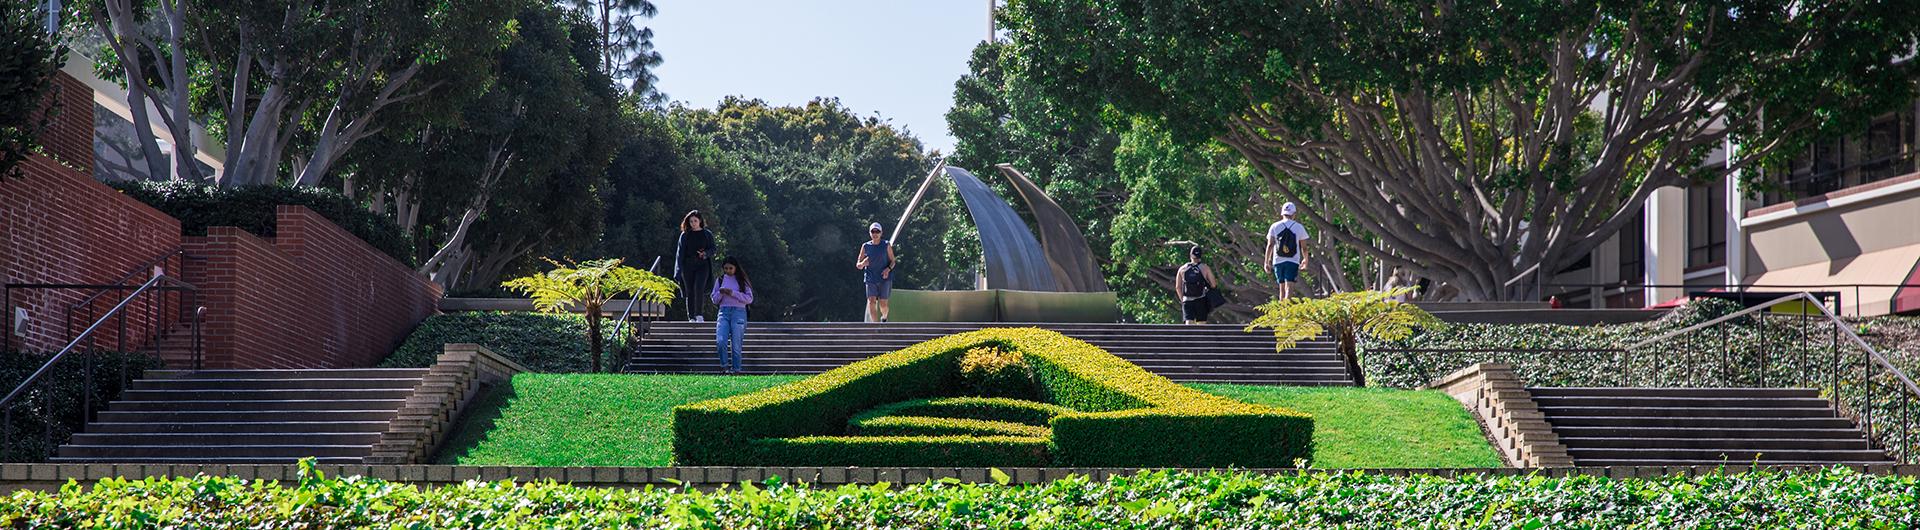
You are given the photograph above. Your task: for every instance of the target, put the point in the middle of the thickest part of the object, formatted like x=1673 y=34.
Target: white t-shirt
x=1299 y=234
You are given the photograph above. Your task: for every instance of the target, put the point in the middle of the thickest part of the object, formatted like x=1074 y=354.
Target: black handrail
x=1740 y=288
x=159 y=284
x=629 y=351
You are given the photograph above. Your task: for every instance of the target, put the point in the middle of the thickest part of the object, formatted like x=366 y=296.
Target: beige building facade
x=1843 y=217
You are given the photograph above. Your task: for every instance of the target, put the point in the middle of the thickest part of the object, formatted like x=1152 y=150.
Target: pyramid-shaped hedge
x=1121 y=415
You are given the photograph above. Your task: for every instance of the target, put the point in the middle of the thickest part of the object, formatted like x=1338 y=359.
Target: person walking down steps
x=693 y=262
x=733 y=293
x=876 y=264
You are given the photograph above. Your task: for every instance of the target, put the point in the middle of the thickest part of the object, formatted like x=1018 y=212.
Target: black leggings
x=695 y=280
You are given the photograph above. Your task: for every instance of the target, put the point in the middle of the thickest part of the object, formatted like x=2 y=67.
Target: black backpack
x=1194 y=281
x=1289 y=243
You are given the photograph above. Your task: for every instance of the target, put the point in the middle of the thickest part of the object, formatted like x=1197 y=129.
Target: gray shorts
x=881 y=290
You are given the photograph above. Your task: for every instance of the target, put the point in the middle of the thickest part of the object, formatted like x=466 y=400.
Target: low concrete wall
x=459 y=375
x=49 y=477
x=1499 y=399
x=612 y=308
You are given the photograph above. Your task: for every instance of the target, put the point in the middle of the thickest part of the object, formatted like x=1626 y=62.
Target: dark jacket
x=686 y=253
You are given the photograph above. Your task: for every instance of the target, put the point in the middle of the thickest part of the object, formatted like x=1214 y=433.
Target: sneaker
x=699 y=318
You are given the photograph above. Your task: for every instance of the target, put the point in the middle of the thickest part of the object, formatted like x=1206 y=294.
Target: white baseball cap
x=876 y=226
x=1287 y=209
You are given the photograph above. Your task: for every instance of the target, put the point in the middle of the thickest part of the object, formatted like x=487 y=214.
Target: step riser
x=267 y=395
x=161 y=451
x=225 y=439
x=357 y=373
x=1668 y=402
x=260 y=405
x=1732 y=456
x=1663 y=432
x=272 y=384
x=1855 y=444
x=1701 y=426
x=1675 y=412
x=1729 y=393
x=1729 y=423
x=243 y=417
x=238 y=428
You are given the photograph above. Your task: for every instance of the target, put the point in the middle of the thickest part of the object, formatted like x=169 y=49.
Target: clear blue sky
x=894 y=58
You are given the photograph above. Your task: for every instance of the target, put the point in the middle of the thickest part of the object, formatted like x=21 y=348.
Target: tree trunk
x=593 y=334
x=1349 y=351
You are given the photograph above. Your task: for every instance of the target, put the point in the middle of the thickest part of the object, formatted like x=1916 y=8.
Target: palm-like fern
x=591 y=285
x=1346 y=317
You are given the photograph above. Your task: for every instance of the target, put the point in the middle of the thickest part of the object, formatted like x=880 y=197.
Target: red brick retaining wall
x=314 y=296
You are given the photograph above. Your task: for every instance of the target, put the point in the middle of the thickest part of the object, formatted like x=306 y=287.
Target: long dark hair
x=691 y=215
x=739 y=273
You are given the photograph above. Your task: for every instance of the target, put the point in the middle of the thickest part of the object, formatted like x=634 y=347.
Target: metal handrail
x=1872 y=353
x=135 y=271
x=17 y=390
x=620 y=326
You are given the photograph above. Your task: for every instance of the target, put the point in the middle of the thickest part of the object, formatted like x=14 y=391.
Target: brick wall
x=313 y=297
x=58 y=225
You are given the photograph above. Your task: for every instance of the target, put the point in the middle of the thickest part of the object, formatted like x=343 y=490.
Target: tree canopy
x=1472 y=143
x=28 y=59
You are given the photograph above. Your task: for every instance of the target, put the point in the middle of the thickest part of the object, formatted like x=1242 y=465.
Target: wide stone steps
x=1194 y=354
x=1702 y=426
x=246 y=416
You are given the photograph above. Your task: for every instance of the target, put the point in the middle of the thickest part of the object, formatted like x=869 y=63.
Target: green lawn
x=1378 y=427
x=625 y=420
x=585 y=419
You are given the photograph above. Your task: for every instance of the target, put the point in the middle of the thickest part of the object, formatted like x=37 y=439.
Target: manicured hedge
x=1124 y=415
x=1159 y=500
x=250 y=208
x=979 y=408
x=929 y=451
x=937 y=426
x=546 y=343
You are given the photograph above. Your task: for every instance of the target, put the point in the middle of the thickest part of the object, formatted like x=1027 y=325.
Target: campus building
x=1845 y=218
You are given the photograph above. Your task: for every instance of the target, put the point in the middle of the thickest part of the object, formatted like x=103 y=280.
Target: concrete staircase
x=245 y=416
x=1194 y=354
x=1702 y=426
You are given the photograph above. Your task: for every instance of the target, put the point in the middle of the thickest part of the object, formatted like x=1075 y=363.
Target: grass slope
x=585 y=419
x=1378 y=427
x=623 y=420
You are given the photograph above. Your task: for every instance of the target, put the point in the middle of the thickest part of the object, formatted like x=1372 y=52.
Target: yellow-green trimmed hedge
x=1123 y=415
x=969 y=407
x=936 y=426
x=907 y=451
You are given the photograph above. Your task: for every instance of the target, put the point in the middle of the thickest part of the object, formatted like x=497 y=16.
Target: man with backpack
x=1198 y=292
x=1286 y=250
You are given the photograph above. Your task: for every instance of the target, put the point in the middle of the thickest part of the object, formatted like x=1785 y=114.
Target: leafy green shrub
x=50 y=411
x=935 y=426
x=200 y=206
x=551 y=343
x=1159 y=423
x=978 y=408
x=996 y=372
x=1835 y=498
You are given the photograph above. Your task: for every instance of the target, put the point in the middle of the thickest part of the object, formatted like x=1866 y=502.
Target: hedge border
x=1124 y=415
x=968 y=407
x=939 y=426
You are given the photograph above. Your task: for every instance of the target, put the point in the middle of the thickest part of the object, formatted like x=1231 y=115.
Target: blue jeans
x=728 y=332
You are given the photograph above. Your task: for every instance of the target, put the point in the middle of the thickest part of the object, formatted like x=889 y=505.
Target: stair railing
x=1793 y=340
x=54 y=421
x=631 y=344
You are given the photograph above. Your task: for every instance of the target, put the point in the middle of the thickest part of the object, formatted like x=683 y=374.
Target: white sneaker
x=699 y=318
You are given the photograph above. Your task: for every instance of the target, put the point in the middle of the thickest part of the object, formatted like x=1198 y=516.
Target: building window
x=1883 y=151
x=1633 y=249
x=1706 y=225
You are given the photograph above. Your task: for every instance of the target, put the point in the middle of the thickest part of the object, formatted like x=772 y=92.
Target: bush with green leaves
x=251 y=208
x=1160 y=500
x=995 y=372
x=1347 y=318
x=551 y=343
x=1117 y=414
x=51 y=410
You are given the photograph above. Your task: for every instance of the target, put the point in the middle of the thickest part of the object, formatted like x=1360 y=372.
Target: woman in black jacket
x=693 y=263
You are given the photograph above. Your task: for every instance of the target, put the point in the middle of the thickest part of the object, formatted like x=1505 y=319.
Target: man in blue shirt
x=876 y=261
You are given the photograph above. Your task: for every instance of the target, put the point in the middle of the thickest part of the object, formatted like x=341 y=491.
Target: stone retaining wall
x=1500 y=401
x=457 y=376
x=51 y=476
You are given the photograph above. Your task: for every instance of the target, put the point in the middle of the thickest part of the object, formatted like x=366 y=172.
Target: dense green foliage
x=584 y=419
x=1122 y=414
x=51 y=410
x=1378 y=427
x=993 y=371
x=1152 y=500
x=1498 y=124
x=978 y=408
x=550 y=343
x=251 y=208
x=822 y=174
x=589 y=286
x=28 y=59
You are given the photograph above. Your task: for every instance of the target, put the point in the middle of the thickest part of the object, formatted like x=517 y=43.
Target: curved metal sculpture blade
x=1060 y=238
x=1014 y=258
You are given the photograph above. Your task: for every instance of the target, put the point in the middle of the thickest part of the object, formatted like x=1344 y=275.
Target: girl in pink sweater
x=732 y=293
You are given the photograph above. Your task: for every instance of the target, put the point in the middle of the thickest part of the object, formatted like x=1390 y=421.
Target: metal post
x=6 y=339
x=1868 y=379
x=1762 y=383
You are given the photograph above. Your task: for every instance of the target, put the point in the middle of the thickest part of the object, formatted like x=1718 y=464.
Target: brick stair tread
x=1702 y=432
x=224 y=438
x=1552 y=391
x=274 y=383
x=1580 y=453
x=253 y=427
x=1597 y=442
x=290 y=374
x=1728 y=412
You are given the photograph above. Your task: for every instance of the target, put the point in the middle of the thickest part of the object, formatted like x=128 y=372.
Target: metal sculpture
x=1066 y=248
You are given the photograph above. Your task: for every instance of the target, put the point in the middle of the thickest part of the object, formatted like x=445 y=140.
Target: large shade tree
x=1478 y=141
x=28 y=58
